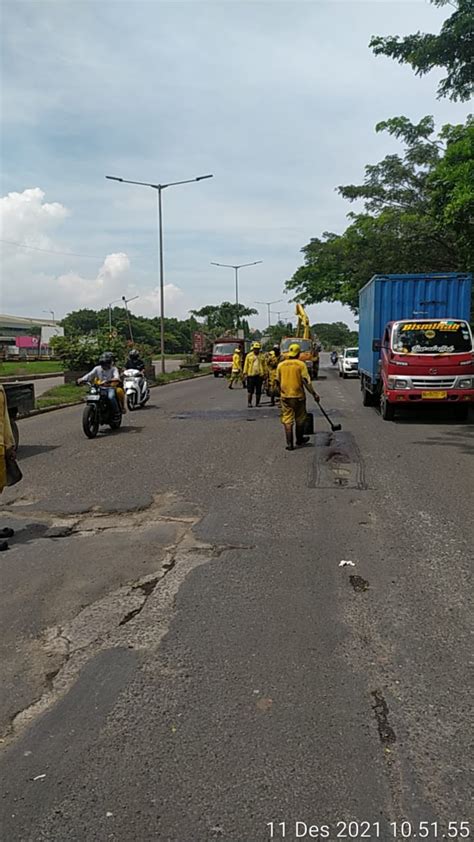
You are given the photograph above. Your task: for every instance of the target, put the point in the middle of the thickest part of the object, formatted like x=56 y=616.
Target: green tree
x=451 y=50
x=222 y=318
x=335 y=335
x=403 y=227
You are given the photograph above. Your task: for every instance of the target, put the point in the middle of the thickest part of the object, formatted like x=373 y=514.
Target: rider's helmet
x=107 y=359
x=134 y=354
x=294 y=350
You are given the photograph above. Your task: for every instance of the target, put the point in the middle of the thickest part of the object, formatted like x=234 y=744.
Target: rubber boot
x=301 y=439
x=289 y=439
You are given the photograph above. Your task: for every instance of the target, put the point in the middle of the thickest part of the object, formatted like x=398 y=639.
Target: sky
x=278 y=100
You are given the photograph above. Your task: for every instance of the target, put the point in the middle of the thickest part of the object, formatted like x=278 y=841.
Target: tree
x=404 y=227
x=223 y=317
x=277 y=332
x=335 y=335
x=452 y=50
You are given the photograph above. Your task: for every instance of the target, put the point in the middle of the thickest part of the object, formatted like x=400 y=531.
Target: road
x=184 y=656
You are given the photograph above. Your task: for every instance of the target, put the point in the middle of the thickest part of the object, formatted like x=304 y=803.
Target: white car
x=348 y=362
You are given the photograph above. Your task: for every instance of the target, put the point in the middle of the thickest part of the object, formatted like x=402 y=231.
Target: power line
x=50 y=251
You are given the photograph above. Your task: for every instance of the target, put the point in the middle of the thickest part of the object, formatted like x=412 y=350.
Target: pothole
x=359 y=584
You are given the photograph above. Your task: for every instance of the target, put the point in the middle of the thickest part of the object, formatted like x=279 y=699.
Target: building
x=22 y=336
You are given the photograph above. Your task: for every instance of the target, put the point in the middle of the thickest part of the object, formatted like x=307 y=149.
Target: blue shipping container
x=388 y=298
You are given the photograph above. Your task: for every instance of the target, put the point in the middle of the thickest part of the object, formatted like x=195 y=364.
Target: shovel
x=334 y=427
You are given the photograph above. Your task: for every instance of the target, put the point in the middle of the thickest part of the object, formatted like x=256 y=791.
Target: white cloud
x=32 y=280
x=24 y=217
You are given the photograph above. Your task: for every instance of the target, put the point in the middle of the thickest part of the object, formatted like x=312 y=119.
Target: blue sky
x=277 y=99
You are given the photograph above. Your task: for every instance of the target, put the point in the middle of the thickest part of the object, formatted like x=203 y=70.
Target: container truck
x=415 y=342
x=202 y=346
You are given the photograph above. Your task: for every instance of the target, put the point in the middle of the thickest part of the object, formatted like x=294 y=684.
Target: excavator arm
x=303 y=331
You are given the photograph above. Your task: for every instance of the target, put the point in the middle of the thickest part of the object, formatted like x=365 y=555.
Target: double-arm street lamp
x=268 y=305
x=236 y=270
x=159 y=188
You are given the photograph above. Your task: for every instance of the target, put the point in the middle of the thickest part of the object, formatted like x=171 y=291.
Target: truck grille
x=433 y=382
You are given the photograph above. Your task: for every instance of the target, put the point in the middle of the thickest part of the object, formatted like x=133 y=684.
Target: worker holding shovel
x=293 y=378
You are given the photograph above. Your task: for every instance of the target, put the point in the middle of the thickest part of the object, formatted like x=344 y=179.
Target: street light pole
x=268 y=305
x=159 y=188
x=236 y=268
x=126 y=301
x=110 y=312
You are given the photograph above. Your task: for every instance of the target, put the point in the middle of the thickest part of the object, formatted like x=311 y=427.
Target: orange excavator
x=308 y=343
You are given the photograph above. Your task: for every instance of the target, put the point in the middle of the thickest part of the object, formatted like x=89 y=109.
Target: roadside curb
x=45 y=409
x=21 y=378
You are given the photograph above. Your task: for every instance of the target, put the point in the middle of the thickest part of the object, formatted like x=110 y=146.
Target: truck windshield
x=305 y=344
x=352 y=352
x=437 y=337
x=224 y=349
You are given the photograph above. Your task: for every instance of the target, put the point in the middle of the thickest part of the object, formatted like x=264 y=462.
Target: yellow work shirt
x=236 y=362
x=290 y=374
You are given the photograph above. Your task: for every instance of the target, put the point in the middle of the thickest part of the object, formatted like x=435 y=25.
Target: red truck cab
x=426 y=360
x=222 y=353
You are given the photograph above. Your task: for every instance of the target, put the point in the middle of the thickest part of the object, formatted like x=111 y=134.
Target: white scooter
x=136 y=388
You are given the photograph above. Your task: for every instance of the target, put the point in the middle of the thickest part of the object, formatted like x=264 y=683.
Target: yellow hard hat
x=256 y=345
x=238 y=350
x=294 y=350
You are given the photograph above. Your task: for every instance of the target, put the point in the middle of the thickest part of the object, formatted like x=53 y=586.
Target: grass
x=35 y=367
x=68 y=393
x=161 y=379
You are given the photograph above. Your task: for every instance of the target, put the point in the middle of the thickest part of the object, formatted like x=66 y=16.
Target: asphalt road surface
x=185 y=658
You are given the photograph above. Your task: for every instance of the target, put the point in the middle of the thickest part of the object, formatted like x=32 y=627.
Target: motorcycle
x=102 y=408
x=136 y=388
x=334 y=357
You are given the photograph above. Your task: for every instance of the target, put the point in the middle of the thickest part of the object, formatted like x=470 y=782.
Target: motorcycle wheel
x=131 y=402
x=90 y=421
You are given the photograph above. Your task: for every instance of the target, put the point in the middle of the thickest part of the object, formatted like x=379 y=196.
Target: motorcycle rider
x=134 y=361
x=334 y=357
x=106 y=373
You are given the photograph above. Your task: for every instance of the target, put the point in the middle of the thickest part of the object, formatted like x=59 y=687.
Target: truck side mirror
x=376 y=344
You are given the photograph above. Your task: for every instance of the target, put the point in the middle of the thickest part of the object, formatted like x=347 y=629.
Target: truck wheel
x=344 y=375
x=340 y=373
x=16 y=432
x=215 y=373
x=367 y=397
x=387 y=410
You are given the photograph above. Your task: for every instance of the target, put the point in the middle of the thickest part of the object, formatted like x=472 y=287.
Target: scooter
x=101 y=409
x=136 y=388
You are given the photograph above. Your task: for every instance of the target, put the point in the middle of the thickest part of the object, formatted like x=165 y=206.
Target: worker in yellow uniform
x=273 y=358
x=236 y=373
x=255 y=372
x=293 y=378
